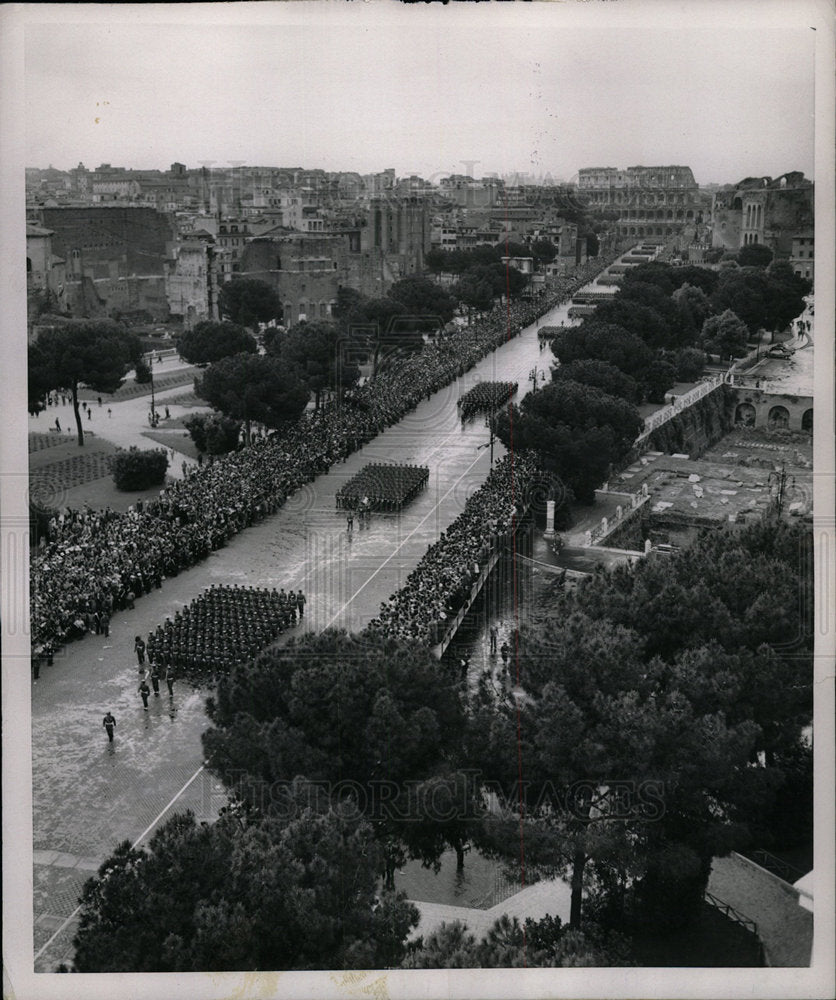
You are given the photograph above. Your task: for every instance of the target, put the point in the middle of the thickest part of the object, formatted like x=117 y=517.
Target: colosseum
x=650 y=201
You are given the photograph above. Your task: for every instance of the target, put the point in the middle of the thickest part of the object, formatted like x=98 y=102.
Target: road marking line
x=395 y=551
x=138 y=839
x=170 y=804
x=457 y=431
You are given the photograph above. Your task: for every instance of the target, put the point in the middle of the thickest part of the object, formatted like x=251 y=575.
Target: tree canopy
x=382 y=325
x=475 y=291
x=326 y=706
x=637 y=317
x=248 y=302
x=725 y=335
x=600 y=374
x=546 y=943
x=213 y=433
x=754 y=255
x=603 y=342
x=577 y=430
x=244 y=893
x=769 y=298
x=254 y=387
x=207 y=342
x=459 y=261
x=694 y=308
x=544 y=251
x=94 y=353
x=663 y=716
x=319 y=354
x=423 y=302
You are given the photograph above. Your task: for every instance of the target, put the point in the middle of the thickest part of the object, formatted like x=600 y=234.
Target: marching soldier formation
x=221 y=628
x=382 y=487
x=486 y=397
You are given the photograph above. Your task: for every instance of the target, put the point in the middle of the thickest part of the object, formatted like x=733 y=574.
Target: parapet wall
x=698 y=427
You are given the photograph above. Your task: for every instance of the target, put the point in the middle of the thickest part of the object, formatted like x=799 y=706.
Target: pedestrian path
x=784 y=927
x=125 y=422
x=552 y=897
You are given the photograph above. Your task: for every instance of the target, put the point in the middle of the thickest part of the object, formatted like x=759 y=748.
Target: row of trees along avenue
x=664 y=320
x=659 y=725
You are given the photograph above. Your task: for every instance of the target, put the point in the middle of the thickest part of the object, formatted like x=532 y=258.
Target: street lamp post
x=780 y=480
x=488 y=444
x=489 y=425
x=151 y=369
x=533 y=376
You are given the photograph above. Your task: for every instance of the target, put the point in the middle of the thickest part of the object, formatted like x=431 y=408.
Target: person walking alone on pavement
x=144 y=690
x=110 y=724
x=494 y=634
x=505 y=652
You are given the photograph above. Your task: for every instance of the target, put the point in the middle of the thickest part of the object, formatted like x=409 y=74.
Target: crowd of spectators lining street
x=485 y=397
x=96 y=561
x=441 y=582
x=222 y=627
x=383 y=487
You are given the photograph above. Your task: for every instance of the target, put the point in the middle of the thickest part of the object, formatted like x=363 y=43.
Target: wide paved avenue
x=87 y=795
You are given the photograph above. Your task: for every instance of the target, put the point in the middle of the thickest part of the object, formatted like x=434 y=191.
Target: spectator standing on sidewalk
x=109 y=724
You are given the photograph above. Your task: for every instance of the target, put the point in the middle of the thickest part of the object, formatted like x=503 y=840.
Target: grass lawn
x=40 y=442
x=131 y=389
x=66 y=476
x=712 y=941
x=179 y=440
x=186 y=399
x=103 y=493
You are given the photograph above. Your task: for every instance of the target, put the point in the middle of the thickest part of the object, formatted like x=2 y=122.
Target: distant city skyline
x=507 y=178
x=541 y=89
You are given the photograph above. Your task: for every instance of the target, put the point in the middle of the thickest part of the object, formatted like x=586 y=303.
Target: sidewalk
x=548 y=898
x=129 y=420
x=785 y=927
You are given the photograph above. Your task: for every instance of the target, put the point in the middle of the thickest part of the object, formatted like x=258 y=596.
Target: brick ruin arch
x=779 y=417
x=745 y=415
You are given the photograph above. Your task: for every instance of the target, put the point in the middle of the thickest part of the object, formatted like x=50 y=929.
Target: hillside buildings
x=777 y=213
